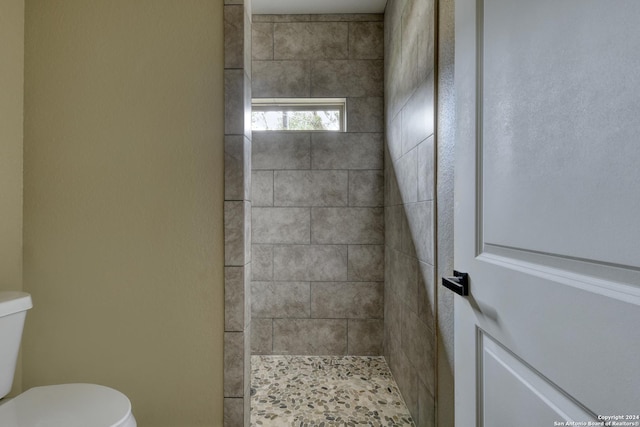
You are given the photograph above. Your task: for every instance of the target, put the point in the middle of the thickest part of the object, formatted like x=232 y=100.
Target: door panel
x=547 y=211
x=514 y=394
x=556 y=108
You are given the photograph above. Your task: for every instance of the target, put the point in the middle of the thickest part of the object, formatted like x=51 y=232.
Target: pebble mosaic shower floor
x=325 y=391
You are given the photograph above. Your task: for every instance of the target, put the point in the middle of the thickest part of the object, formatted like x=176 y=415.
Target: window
x=298 y=114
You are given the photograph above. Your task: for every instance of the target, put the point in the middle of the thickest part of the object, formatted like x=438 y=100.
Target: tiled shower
x=317 y=216
x=342 y=238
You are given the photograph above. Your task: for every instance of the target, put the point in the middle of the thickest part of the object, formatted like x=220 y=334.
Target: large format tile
x=351 y=78
x=426 y=294
x=365 y=337
x=234 y=299
x=394 y=137
x=402 y=274
x=426 y=406
x=426 y=170
x=420 y=218
x=233 y=36
x=310 y=336
x=426 y=25
x=262 y=262
x=234 y=233
x=234 y=98
x=280 y=299
x=281 y=79
x=365 y=114
x=262 y=41
x=393 y=308
x=237 y=152
x=366 y=40
x=391 y=190
x=233 y=411
x=313 y=41
x=408 y=72
x=261 y=188
x=347 y=226
x=310 y=188
x=261 y=336
x=393 y=227
x=394 y=98
x=393 y=14
x=281 y=225
x=247 y=40
x=398 y=235
x=233 y=364
x=418 y=116
x=366 y=263
x=278 y=150
x=366 y=188
x=418 y=343
x=347 y=151
x=310 y=263
x=353 y=300
x=406 y=171
x=405 y=375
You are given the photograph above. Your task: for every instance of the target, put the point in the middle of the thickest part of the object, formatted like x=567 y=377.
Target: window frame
x=302 y=104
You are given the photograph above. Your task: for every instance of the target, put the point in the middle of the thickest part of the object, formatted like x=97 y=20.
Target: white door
x=547 y=212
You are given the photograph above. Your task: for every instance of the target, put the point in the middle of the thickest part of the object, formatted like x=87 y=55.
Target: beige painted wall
x=11 y=90
x=11 y=95
x=123 y=202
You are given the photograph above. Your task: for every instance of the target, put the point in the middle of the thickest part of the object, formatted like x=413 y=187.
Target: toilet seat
x=68 y=405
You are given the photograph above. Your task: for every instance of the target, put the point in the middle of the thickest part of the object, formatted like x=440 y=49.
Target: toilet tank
x=13 y=310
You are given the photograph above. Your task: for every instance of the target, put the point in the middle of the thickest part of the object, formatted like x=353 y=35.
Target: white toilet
x=65 y=405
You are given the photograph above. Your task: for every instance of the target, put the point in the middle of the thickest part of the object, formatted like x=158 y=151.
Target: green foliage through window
x=298 y=115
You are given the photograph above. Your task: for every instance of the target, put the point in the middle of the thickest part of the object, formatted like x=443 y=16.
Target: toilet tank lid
x=13 y=302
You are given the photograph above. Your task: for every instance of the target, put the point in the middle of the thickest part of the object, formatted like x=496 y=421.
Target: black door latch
x=459 y=283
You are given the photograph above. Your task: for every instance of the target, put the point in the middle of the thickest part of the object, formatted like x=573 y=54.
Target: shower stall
x=330 y=235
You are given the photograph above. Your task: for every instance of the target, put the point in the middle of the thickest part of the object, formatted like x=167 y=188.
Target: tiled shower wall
x=237 y=212
x=410 y=337
x=318 y=219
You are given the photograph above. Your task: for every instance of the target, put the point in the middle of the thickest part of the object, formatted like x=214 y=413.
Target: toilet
x=64 y=405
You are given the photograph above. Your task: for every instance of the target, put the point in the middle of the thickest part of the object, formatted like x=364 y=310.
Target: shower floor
x=324 y=391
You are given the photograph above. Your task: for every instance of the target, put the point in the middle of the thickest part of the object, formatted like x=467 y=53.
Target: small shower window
x=299 y=114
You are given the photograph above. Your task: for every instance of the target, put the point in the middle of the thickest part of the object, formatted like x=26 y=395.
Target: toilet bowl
x=64 y=405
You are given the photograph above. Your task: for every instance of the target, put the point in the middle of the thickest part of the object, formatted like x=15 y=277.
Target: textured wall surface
x=318 y=219
x=445 y=137
x=410 y=331
x=123 y=212
x=237 y=213
x=11 y=101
